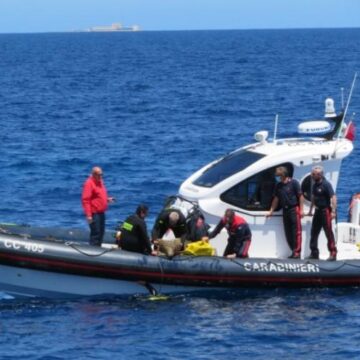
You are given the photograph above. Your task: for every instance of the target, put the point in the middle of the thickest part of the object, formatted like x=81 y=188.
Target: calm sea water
x=151 y=108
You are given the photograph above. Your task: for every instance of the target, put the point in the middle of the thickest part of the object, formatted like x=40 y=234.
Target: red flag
x=350 y=131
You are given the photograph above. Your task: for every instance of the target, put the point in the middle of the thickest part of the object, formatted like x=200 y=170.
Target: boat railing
x=349 y=232
x=354 y=210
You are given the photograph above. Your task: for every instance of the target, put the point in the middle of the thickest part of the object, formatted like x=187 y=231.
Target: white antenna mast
x=276 y=126
x=342 y=120
x=347 y=104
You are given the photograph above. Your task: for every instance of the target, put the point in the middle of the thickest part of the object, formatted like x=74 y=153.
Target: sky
x=24 y=16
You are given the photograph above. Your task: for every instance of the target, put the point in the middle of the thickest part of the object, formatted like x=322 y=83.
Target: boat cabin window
x=256 y=192
x=226 y=167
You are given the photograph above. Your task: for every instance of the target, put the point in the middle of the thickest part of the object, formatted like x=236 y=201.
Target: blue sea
x=151 y=108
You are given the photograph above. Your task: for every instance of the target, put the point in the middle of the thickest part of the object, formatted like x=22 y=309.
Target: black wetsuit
x=162 y=224
x=134 y=235
x=197 y=229
x=322 y=193
x=288 y=194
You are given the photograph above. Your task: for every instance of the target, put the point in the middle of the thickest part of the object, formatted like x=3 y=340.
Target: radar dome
x=329 y=108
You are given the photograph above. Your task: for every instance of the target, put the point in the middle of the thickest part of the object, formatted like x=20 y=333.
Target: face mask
x=278 y=178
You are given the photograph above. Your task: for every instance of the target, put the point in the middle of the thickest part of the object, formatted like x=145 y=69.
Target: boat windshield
x=226 y=167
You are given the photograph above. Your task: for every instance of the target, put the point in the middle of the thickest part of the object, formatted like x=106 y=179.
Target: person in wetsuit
x=133 y=232
x=197 y=228
x=324 y=200
x=239 y=234
x=169 y=219
x=289 y=195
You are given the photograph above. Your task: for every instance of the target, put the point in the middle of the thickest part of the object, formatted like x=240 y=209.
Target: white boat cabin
x=244 y=181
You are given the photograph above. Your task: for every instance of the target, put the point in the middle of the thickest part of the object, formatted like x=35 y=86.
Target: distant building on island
x=113 y=28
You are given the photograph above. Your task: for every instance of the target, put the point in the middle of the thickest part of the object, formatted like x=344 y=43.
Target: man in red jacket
x=95 y=202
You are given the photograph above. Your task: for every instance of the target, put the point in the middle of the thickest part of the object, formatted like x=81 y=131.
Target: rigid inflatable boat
x=54 y=263
x=61 y=269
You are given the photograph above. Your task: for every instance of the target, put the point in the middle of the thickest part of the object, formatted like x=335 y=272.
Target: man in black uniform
x=134 y=236
x=169 y=219
x=288 y=194
x=324 y=200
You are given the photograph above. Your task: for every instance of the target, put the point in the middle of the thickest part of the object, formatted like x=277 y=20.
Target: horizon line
x=180 y=30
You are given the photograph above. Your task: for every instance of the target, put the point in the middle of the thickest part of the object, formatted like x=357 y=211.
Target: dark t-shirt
x=288 y=193
x=322 y=193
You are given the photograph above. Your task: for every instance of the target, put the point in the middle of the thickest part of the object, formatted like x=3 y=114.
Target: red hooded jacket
x=94 y=197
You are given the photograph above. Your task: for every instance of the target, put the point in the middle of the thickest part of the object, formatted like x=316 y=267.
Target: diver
x=169 y=232
x=197 y=228
x=172 y=219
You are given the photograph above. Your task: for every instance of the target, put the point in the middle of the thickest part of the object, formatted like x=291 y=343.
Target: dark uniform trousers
x=239 y=242
x=97 y=229
x=292 y=227
x=322 y=219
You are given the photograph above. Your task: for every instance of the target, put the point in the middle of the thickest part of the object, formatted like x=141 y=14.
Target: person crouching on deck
x=132 y=234
x=239 y=235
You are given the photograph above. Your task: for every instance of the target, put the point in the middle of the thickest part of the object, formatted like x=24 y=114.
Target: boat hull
x=60 y=269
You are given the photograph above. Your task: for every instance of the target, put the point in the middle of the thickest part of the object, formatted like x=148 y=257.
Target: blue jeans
x=97 y=229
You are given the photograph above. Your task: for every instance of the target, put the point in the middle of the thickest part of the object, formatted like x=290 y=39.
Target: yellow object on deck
x=199 y=248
